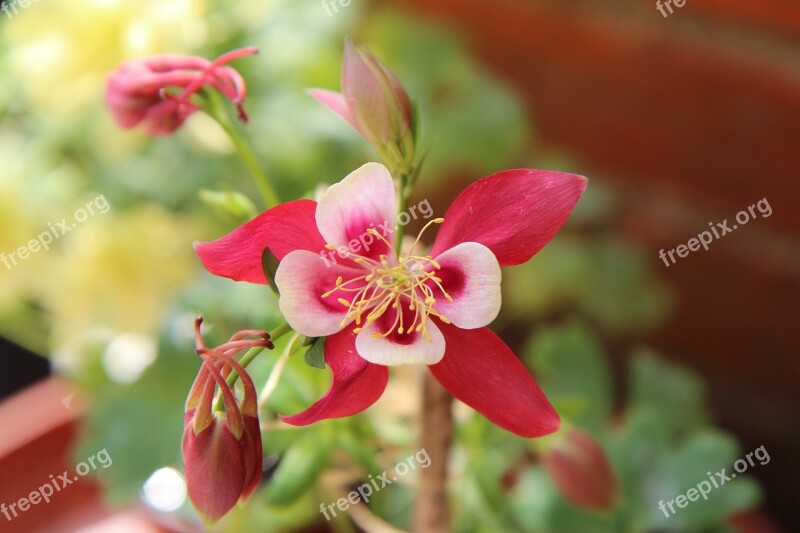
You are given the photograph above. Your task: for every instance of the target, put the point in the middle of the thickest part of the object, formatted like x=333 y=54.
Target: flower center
x=406 y=282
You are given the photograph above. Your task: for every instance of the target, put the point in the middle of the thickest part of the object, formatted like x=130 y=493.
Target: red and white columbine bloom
x=379 y=309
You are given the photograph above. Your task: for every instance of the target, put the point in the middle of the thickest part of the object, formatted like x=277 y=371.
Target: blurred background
x=678 y=121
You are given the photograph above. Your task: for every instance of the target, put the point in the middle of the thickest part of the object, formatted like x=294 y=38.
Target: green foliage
x=231 y=207
x=602 y=278
x=573 y=373
x=298 y=469
x=672 y=395
x=140 y=425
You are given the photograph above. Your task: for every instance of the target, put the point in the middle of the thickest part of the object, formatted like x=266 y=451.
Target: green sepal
x=270 y=263
x=315 y=356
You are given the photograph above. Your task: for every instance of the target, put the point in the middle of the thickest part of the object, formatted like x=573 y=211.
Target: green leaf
x=571 y=369
x=315 y=356
x=270 y=263
x=605 y=279
x=355 y=448
x=673 y=395
x=696 y=462
x=229 y=206
x=298 y=469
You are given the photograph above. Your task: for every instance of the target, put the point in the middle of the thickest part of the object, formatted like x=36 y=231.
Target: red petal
x=253 y=455
x=282 y=229
x=357 y=384
x=514 y=213
x=481 y=371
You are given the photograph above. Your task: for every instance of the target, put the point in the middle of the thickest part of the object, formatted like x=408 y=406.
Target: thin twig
x=277 y=371
x=369 y=522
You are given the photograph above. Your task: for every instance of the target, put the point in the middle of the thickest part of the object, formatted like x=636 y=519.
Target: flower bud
x=222 y=450
x=215 y=469
x=136 y=92
x=580 y=470
x=375 y=103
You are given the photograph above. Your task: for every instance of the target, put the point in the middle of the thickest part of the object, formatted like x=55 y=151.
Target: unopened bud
x=375 y=103
x=222 y=450
x=580 y=470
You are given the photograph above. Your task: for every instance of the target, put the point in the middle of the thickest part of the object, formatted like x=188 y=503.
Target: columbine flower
x=137 y=93
x=580 y=470
x=222 y=452
x=375 y=103
x=379 y=309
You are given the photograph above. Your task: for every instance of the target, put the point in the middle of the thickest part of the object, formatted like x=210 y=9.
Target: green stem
x=248 y=358
x=280 y=331
x=219 y=114
x=274 y=377
x=401 y=208
x=395 y=159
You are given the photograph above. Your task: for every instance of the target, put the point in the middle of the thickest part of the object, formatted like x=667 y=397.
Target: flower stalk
x=217 y=111
x=431 y=510
x=248 y=358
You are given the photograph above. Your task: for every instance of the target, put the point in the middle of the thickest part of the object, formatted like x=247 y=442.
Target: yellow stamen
x=408 y=282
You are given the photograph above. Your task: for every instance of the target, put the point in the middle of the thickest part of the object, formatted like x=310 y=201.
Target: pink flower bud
x=375 y=103
x=580 y=470
x=137 y=91
x=222 y=450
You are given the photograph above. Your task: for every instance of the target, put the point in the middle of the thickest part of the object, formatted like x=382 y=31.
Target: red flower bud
x=580 y=470
x=136 y=93
x=222 y=450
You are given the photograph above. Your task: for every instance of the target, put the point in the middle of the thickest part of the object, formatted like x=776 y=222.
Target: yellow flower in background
x=117 y=274
x=18 y=228
x=72 y=45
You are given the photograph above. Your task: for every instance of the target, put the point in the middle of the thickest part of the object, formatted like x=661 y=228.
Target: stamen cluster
x=392 y=282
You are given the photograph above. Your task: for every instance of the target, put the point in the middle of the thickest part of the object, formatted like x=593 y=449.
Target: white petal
x=471 y=275
x=388 y=352
x=364 y=199
x=302 y=278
